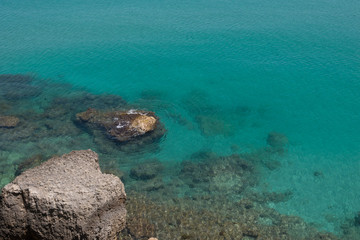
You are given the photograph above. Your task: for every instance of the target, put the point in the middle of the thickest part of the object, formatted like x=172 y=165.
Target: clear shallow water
x=255 y=66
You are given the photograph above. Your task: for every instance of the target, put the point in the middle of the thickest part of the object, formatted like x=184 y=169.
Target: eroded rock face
x=66 y=197
x=8 y=121
x=122 y=126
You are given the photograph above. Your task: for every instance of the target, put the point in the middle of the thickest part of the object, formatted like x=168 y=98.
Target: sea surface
x=220 y=74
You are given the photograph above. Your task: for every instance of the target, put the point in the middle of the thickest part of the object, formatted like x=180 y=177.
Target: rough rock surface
x=66 y=197
x=212 y=217
x=8 y=121
x=121 y=126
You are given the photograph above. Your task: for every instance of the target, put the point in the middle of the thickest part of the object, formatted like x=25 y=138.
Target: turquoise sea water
x=253 y=67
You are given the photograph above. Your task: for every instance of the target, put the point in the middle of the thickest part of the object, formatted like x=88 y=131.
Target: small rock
x=213 y=125
x=154 y=184
x=272 y=164
x=8 y=121
x=318 y=174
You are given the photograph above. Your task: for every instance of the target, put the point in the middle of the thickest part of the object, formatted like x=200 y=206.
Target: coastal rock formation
x=8 y=121
x=65 y=197
x=123 y=126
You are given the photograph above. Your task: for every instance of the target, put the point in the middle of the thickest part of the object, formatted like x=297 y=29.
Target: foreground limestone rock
x=8 y=121
x=66 y=197
x=123 y=126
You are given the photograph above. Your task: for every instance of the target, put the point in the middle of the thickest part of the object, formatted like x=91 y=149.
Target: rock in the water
x=147 y=170
x=211 y=125
x=140 y=228
x=224 y=175
x=28 y=163
x=277 y=141
x=8 y=121
x=122 y=126
x=17 y=86
x=357 y=219
x=15 y=79
x=66 y=197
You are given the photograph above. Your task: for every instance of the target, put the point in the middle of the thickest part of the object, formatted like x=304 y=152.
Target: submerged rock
x=9 y=121
x=211 y=125
x=29 y=163
x=147 y=170
x=66 y=197
x=265 y=197
x=357 y=219
x=123 y=126
x=140 y=228
x=15 y=79
x=4 y=106
x=80 y=101
x=277 y=141
x=17 y=86
x=211 y=218
x=220 y=175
